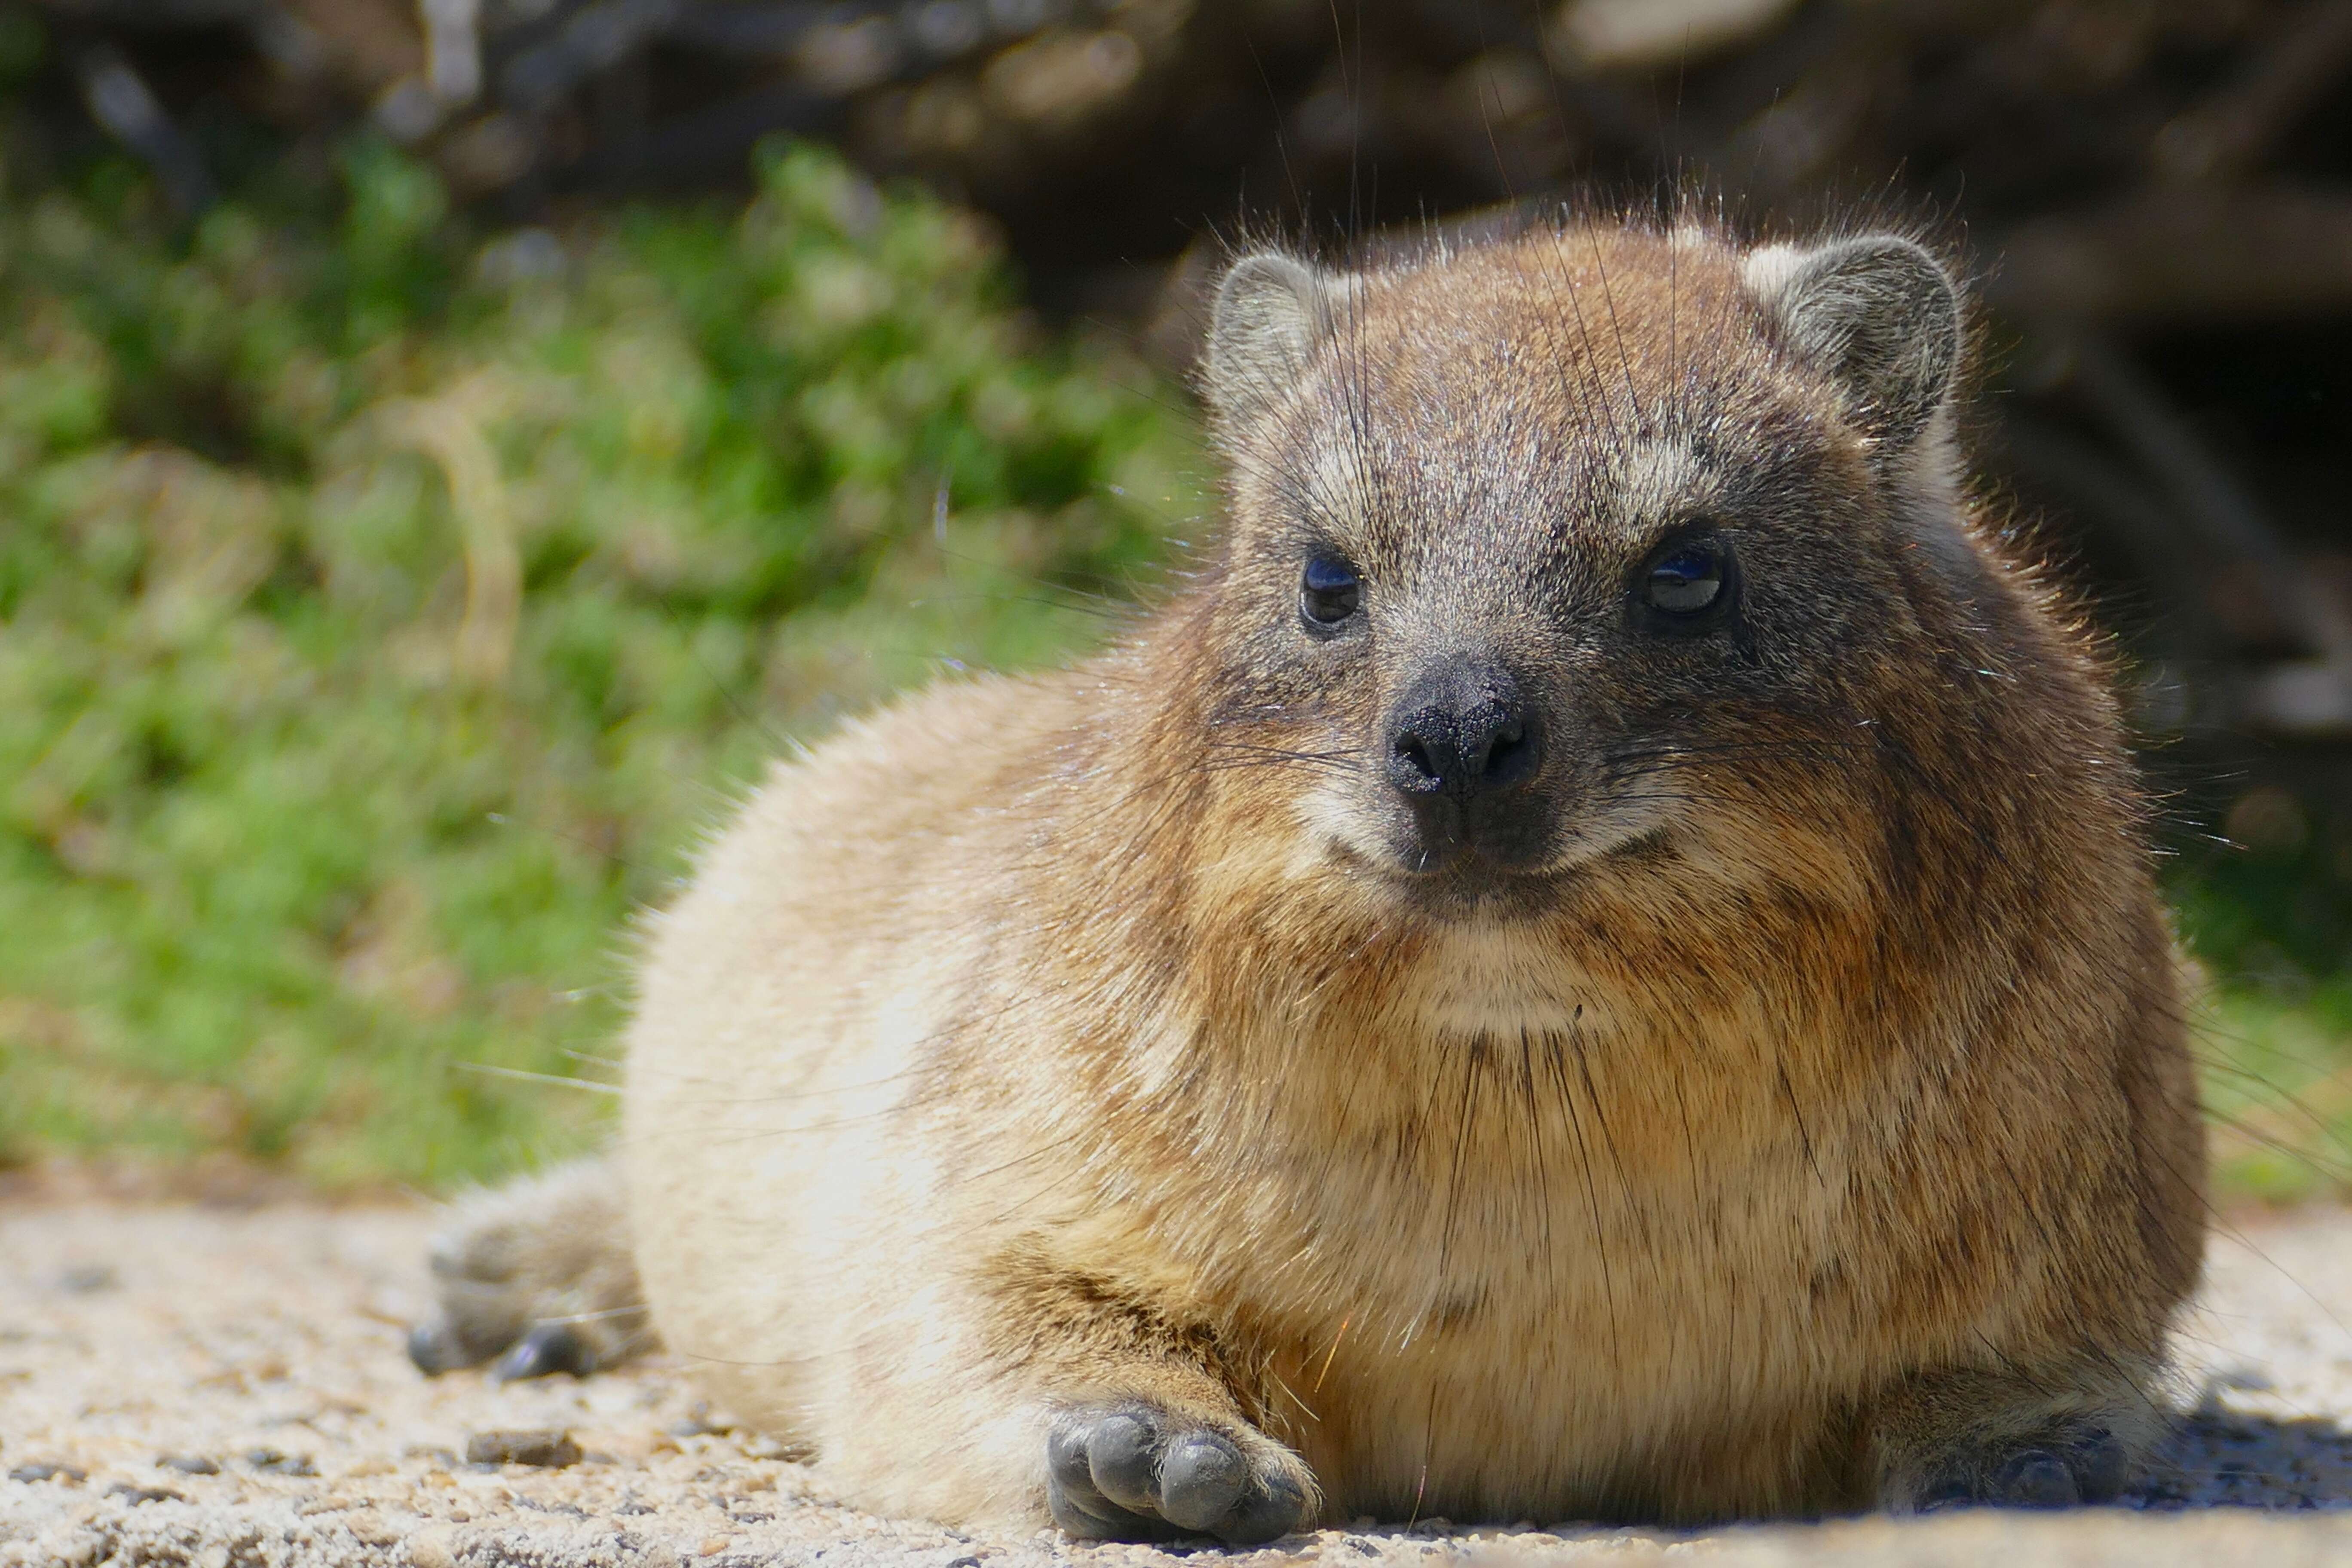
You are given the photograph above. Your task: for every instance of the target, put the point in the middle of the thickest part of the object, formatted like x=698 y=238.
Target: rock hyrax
x=1597 y=961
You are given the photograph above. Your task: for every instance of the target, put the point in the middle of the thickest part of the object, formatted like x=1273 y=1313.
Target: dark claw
x=2100 y=1466
x=1200 y=1479
x=545 y=1351
x=1076 y=1502
x=1271 y=1510
x=1076 y=1525
x=2032 y=1477
x=1121 y=1451
x=1113 y=1523
x=1080 y=1525
x=1121 y=1475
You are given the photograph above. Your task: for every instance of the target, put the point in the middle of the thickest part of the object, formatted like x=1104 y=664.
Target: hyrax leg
x=537 y=1273
x=1147 y=1431
x=2010 y=1440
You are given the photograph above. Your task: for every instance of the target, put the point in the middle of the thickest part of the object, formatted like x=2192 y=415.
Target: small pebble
x=547 y=1449
x=432 y=1548
x=190 y=1464
x=270 y=1461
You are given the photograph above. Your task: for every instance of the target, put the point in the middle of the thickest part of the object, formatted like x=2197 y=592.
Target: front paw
x=1136 y=1472
x=2056 y=1470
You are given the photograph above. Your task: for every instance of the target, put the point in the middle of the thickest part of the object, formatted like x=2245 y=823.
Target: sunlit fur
x=1808 y=1112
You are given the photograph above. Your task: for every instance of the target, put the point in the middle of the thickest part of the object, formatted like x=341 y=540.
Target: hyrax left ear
x=1272 y=312
x=1878 y=314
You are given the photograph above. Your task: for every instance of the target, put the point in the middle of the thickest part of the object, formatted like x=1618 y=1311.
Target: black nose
x=1462 y=730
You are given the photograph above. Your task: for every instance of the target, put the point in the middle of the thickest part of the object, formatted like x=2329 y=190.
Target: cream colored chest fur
x=1527 y=1257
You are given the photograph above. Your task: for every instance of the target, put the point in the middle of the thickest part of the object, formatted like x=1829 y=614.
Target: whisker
x=490 y=1069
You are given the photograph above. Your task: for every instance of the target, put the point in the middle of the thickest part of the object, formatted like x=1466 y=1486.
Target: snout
x=1470 y=737
x=1462 y=745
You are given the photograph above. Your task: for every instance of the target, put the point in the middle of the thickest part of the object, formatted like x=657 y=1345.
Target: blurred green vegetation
x=2265 y=905
x=385 y=607
x=2278 y=1092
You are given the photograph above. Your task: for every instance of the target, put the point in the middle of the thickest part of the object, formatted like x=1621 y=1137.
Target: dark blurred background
x=2152 y=191
x=2154 y=198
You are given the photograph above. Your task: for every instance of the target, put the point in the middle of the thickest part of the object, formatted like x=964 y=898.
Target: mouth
x=1463 y=881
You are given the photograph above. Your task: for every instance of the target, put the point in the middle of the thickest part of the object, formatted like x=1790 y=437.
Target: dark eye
x=1687 y=578
x=1328 y=590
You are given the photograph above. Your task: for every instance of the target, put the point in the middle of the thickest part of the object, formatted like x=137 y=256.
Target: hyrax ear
x=1271 y=312
x=1878 y=314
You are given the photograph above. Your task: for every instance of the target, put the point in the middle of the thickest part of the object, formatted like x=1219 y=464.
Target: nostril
x=1509 y=750
x=1419 y=766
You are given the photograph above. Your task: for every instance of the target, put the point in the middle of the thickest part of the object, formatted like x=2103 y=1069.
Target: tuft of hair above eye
x=1329 y=592
x=1687 y=582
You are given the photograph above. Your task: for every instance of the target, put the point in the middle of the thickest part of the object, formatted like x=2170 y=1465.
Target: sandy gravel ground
x=184 y=1384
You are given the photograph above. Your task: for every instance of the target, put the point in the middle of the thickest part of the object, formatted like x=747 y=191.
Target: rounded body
x=970 y=1024
x=1767 y=1094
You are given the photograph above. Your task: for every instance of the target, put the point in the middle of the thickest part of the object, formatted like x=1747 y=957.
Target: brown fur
x=1806 y=1122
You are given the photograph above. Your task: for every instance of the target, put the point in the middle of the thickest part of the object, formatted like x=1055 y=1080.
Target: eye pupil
x=1686 y=579
x=1328 y=590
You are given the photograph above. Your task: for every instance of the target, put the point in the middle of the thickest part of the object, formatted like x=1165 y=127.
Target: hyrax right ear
x=1272 y=310
x=1878 y=314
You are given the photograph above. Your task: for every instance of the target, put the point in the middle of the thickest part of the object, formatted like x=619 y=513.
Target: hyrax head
x=1595 y=548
